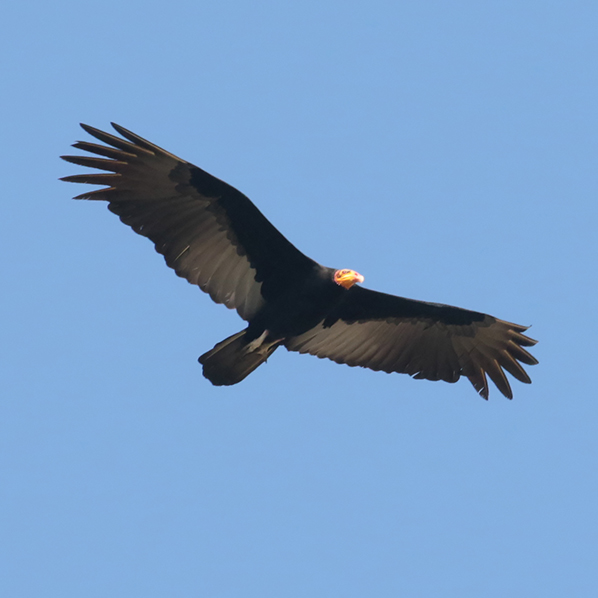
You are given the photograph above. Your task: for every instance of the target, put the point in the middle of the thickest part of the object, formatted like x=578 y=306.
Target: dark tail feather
x=231 y=361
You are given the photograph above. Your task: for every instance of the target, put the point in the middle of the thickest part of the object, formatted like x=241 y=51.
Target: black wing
x=425 y=340
x=208 y=232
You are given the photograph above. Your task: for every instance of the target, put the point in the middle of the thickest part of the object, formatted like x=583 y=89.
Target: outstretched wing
x=425 y=340
x=208 y=232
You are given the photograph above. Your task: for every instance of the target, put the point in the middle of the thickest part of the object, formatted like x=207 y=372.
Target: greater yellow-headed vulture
x=214 y=236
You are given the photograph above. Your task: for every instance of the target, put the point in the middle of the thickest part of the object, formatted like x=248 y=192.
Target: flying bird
x=214 y=236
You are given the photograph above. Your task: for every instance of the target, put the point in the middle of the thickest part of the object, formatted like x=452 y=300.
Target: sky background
x=448 y=152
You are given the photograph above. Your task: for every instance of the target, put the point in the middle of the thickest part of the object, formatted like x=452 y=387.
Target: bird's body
x=215 y=237
x=300 y=307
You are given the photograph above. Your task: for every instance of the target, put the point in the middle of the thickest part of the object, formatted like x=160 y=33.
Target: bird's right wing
x=425 y=340
x=208 y=232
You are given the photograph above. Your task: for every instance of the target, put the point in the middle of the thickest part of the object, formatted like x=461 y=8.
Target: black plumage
x=214 y=236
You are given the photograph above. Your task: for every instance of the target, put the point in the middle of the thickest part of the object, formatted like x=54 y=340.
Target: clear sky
x=447 y=151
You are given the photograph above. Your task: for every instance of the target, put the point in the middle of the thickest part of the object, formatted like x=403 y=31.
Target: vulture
x=215 y=237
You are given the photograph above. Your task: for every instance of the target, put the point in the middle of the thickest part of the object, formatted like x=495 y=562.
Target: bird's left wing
x=208 y=232
x=425 y=340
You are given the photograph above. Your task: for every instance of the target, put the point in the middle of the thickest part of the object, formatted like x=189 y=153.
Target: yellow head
x=347 y=278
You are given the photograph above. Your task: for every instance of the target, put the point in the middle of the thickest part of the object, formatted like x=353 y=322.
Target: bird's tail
x=233 y=359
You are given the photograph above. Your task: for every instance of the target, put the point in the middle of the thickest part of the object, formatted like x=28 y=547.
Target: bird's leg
x=260 y=344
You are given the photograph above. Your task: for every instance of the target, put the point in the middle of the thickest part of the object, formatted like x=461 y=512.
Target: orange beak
x=347 y=278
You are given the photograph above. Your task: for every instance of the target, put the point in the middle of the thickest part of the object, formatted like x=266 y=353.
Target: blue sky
x=448 y=152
